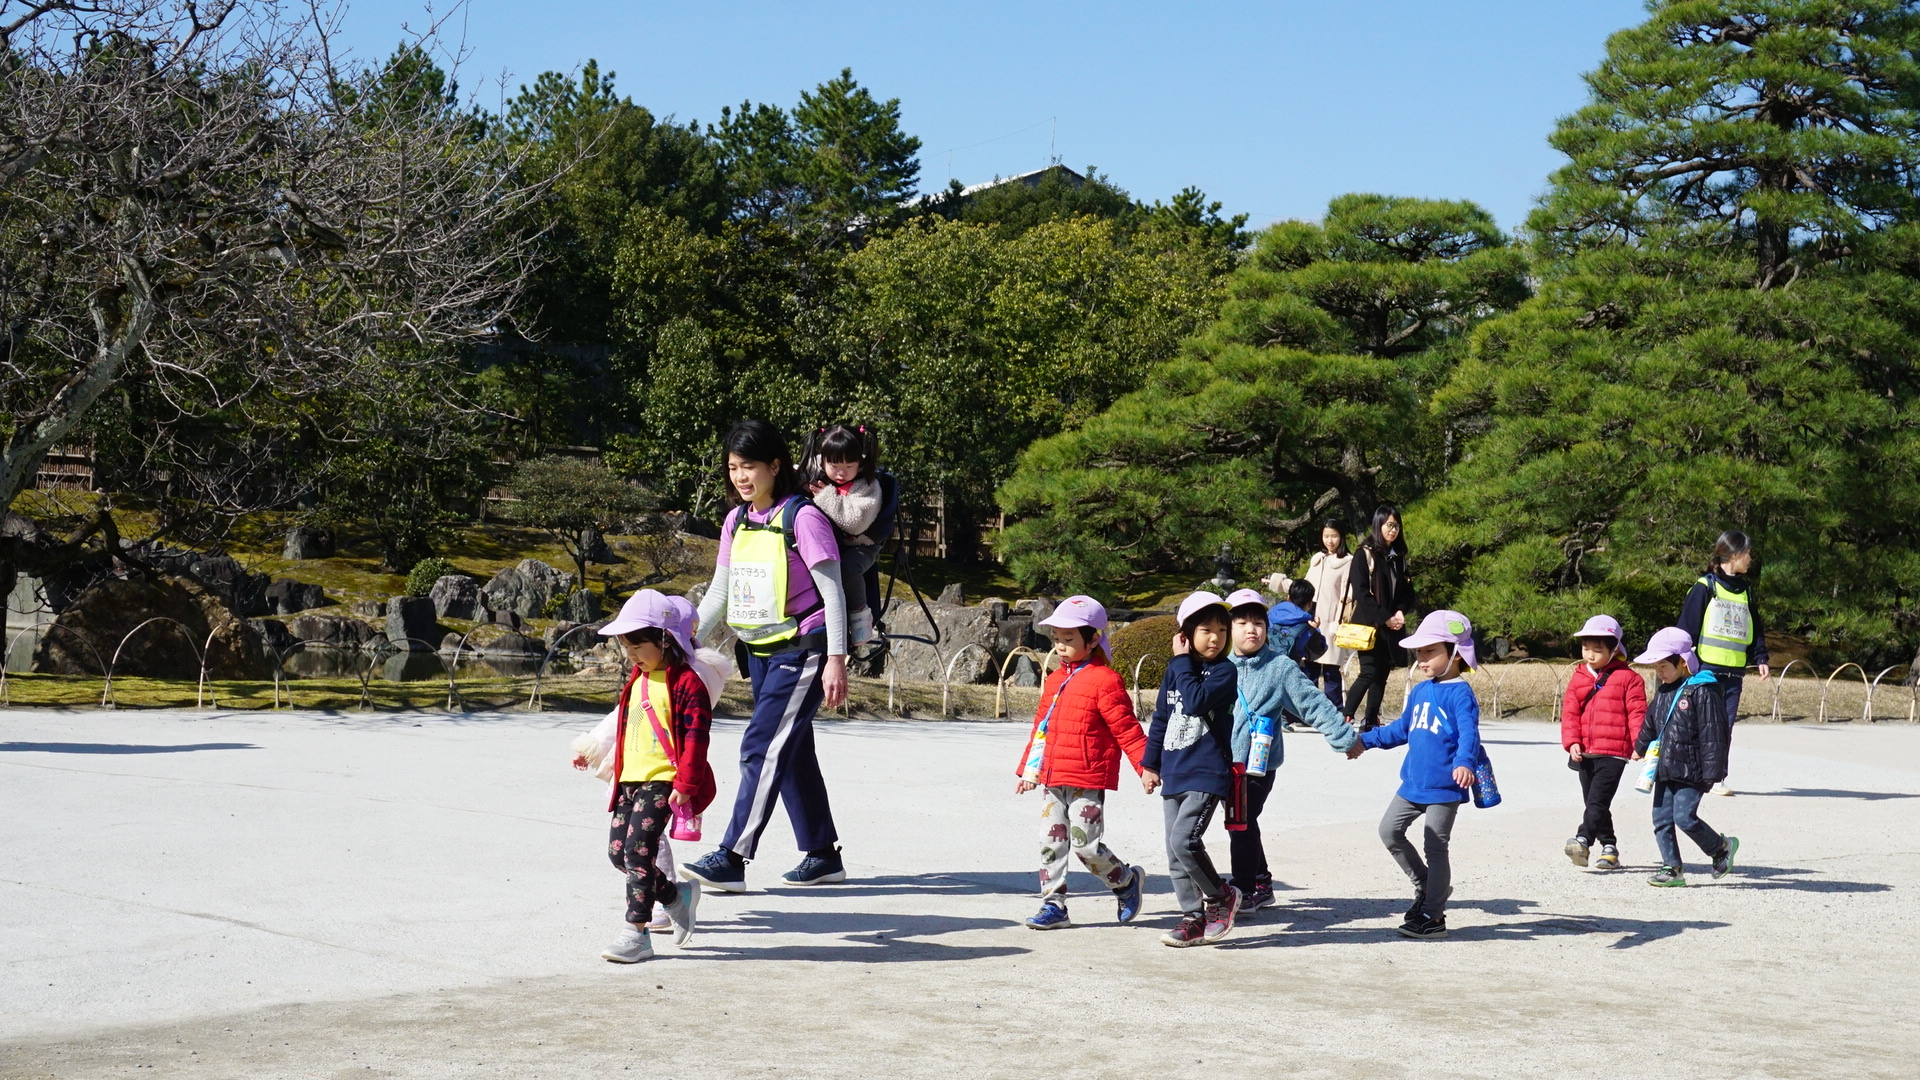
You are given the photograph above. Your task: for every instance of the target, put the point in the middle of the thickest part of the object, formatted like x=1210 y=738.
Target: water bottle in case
x=1260 y=752
x=1486 y=791
x=686 y=824
x=1036 y=754
x=1649 y=768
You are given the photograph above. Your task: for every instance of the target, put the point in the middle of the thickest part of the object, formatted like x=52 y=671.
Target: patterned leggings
x=640 y=818
x=1075 y=819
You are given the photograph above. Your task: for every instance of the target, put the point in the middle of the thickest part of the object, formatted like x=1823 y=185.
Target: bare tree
x=205 y=223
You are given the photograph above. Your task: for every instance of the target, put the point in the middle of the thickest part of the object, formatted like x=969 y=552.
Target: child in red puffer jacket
x=1084 y=723
x=1599 y=718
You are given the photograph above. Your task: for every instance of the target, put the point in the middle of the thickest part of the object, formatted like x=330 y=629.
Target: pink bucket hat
x=1605 y=626
x=1243 y=597
x=1445 y=628
x=1670 y=641
x=1196 y=602
x=1080 y=611
x=648 y=608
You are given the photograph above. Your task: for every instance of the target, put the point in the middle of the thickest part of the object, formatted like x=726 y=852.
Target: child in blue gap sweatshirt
x=1189 y=757
x=1441 y=729
x=1270 y=690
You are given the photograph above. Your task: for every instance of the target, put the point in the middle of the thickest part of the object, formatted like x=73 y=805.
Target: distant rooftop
x=1031 y=179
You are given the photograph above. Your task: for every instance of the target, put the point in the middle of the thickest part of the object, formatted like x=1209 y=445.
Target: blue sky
x=1272 y=108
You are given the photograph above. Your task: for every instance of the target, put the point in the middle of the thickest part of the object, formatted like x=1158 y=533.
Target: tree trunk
x=20 y=459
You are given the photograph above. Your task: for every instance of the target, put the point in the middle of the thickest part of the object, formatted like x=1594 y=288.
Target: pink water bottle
x=686 y=823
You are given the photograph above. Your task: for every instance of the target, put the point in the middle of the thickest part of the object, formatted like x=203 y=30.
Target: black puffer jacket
x=1690 y=720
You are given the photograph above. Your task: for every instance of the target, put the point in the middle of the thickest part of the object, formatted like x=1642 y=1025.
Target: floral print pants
x=1075 y=819
x=640 y=817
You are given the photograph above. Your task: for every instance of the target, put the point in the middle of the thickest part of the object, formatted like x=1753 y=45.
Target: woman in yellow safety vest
x=776 y=585
x=1725 y=623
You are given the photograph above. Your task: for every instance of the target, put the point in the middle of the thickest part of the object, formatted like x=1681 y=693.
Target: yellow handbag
x=1353 y=636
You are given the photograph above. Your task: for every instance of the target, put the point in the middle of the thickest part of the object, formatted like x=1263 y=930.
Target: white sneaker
x=680 y=913
x=631 y=947
x=1721 y=788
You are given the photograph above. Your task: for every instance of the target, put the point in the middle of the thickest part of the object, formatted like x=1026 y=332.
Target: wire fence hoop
x=280 y=664
x=1874 y=691
x=1138 y=708
x=1780 y=684
x=536 y=703
x=383 y=650
x=1000 y=688
x=1500 y=680
x=946 y=677
x=1826 y=686
x=454 y=700
x=106 y=689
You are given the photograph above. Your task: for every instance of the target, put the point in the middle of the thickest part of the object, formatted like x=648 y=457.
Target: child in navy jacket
x=1441 y=730
x=1190 y=756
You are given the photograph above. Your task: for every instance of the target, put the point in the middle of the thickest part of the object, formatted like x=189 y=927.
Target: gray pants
x=1195 y=881
x=1434 y=877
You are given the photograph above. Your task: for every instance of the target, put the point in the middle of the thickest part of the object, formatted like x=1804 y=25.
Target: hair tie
x=863 y=429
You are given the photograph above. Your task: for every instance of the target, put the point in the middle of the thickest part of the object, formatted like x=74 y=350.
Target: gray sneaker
x=631 y=947
x=1724 y=863
x=681 y=912
x=1576 y=850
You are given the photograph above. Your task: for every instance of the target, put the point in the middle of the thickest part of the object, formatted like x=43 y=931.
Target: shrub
x=427 y=571
x=1151 y=638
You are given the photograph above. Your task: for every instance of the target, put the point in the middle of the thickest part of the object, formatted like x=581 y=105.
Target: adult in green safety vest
x=1721 y=615
x=776 y=585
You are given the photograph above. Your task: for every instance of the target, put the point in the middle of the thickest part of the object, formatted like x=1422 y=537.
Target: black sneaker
x=720 y=869
x=1424 y=927
x=1724 y=861
x=817 y=869
x=1417 y=910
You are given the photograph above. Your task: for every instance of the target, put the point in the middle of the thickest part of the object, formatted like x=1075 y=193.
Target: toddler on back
x=1084 y=723
x=841 y=476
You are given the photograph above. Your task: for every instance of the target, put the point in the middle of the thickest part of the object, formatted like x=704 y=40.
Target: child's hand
x=1354 y=751
x=677 y=798
x=1181 y=646
x=816 y=487
x=1149 y=780
x=1575 y=752
x=579 y=762
x=1022 y=788
x=1315 y=623
x=1635 y=757
x=1462 y=776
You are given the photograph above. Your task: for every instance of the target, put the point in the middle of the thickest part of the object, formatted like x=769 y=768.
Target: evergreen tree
x=1726 y=338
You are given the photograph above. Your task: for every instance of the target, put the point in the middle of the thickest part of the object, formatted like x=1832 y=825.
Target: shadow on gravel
x=1080 y=885
x=1795 y=878
x=865 y=937
x=1831 y=793
x=116 y=748
x=1324 y=922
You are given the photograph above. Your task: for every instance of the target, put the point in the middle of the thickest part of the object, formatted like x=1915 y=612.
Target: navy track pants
x=777 y=757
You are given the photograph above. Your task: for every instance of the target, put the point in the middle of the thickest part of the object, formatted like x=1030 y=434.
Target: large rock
x=290 y=597
x=581 y=606
x=308 y=542
x=959 y=628
x=511 y=644
x=457 y=596
x=274 y=633
x=338 y=631
x=104 y=615
x=526 y=588
x=412 y=617
x=244 y=593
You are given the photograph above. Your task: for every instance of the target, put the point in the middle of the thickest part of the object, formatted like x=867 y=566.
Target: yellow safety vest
x=1727 y=631
x=757 y=578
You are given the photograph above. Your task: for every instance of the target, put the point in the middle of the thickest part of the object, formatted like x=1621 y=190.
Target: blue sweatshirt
x=1441 y=730
x=1192 y=732
x=1273 y=686
x=1288 y=632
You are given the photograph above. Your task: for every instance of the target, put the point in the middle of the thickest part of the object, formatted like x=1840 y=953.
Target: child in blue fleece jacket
x=1273 y=691
x=1189 y=755
x=1441 y=730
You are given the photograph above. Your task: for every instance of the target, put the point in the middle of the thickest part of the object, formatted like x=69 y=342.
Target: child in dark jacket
x=1290 y=624
x=1189 y=755
x=1689 y=720
x=1441 y=730
x=1084 y=723
x=1599 y=716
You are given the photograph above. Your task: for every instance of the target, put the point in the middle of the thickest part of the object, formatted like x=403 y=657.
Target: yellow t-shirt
x=642 y=759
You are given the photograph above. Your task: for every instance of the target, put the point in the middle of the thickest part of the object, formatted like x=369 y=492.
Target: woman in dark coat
x=1381 y=593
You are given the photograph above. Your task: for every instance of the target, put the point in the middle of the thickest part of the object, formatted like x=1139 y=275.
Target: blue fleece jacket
x=1192 y=734
x=1441 y=730
x=1288 y=632
x=1273 y=686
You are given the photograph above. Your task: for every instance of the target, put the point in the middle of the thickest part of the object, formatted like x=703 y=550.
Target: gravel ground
x=299 y=895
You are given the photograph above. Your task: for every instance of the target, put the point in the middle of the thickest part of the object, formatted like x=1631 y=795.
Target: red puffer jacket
x=1091 y=725
x=1604 y=723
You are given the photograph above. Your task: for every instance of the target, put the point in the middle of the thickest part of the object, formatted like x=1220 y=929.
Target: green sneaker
x=1725 y=862
x=1669 y=877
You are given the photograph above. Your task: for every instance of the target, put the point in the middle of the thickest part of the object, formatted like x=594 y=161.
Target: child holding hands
x=1601 y=713
x=1689 y=718
x=1190 y=756
x=1441 y=729
x=1084 y=723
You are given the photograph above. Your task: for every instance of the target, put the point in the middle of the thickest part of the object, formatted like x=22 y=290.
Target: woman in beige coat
x=1327 y=572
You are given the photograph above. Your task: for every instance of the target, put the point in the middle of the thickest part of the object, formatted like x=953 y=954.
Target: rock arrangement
x=195 y=618
x=308 y=542
x=526 y=588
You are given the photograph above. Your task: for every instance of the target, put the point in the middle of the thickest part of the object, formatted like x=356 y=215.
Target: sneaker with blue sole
x=1051 y=916
x=818 y=869
x=1129 y=895
x=720 y=869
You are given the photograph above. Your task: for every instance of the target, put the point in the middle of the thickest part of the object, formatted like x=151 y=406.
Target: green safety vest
x=1727 y=631
x=757 y=578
